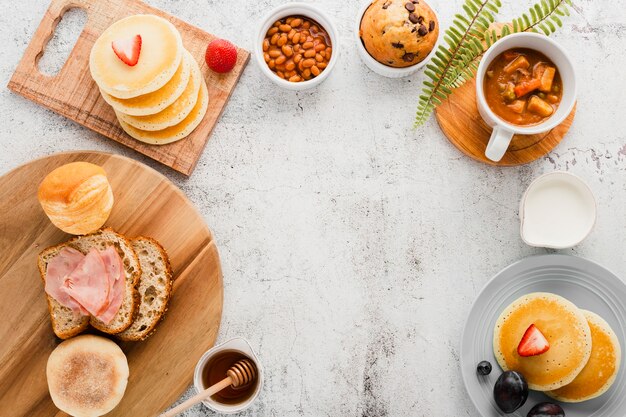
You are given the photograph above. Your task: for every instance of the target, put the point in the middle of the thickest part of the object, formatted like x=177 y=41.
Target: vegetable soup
x=522 y=86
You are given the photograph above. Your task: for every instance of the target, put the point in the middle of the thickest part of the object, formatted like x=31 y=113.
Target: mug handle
x=498 y=143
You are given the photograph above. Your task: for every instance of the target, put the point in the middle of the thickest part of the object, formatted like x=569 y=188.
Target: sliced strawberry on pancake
x=533 y=342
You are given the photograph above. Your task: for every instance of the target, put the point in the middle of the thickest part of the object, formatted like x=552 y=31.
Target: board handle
x=46 y=30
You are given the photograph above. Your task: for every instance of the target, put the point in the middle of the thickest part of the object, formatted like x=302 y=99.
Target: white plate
x=586 y=284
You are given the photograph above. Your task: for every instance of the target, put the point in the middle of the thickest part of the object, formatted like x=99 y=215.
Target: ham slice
x=88 y=283
x=115 y=274
x=57 y=271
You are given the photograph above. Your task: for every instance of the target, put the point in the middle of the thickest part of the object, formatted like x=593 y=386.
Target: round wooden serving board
x=460 y=121
x=146 y=203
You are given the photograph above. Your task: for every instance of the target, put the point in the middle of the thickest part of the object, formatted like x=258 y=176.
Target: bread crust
x=144 y=334
x=87 y=320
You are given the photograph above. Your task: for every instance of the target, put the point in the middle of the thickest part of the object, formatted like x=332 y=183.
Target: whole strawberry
x=221 y=55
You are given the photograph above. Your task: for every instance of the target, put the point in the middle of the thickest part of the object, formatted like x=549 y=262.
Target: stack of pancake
x=163 y=97
x=584 y=355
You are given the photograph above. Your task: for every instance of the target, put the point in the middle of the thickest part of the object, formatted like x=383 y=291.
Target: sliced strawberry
x=533 y=342
x=128 y=49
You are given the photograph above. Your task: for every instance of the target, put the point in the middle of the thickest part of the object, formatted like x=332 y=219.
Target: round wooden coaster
x=460 y=121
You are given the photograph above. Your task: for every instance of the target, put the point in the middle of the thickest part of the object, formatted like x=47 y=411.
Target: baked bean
x=296 y=48
x=287 y=50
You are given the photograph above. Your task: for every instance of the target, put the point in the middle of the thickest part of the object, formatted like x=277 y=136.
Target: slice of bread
x=67 y=324
x=155 y=288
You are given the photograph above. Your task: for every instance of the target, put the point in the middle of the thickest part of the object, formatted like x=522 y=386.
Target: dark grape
x=546 y=410
x=510 y=391
x=484 y=368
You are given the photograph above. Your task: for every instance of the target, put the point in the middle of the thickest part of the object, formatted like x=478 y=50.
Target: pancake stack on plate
x=584 y=353
x=160 y=98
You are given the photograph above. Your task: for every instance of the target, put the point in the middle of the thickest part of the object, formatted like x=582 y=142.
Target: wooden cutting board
x=73 y=93
x=146 y=203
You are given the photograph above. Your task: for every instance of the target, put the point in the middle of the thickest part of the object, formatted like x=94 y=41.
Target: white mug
x=503 y=131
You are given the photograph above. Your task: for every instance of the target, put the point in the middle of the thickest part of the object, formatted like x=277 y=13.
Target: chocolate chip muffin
x=399 y=33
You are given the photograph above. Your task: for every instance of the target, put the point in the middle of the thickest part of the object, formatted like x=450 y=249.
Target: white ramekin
x=238 y=344
x=382 y=69
x=296 y=9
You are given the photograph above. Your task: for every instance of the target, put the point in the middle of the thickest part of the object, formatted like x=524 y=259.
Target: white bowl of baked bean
x=296 y=46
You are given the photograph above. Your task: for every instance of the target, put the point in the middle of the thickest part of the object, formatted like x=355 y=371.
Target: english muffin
x=561 y=323
x=87 y=376
x=399 y=33
x=601 y=370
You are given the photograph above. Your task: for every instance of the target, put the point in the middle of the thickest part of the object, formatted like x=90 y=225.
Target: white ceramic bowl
x=558 y=211
x=382 y=69
x=503 y=131
x=293 y=9
x=238 y=344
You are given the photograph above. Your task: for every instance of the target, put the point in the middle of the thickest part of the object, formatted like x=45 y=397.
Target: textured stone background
x=353 y=246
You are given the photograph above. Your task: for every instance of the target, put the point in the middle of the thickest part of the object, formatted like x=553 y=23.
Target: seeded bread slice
x=155 y=288
x=64 y=322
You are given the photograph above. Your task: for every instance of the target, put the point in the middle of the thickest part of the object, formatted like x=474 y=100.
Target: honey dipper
x=242 y=373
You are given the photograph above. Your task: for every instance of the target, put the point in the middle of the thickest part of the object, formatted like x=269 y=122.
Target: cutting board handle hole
x=57 y=49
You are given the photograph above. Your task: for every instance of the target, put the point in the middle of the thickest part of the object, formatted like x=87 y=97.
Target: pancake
x=176 y=132
x=158 y=100
x=176 y=112
x=160 y=56
x=601 y=370
x=564 y=326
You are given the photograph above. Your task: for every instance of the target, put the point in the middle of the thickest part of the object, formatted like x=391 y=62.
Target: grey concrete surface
x=352 y=245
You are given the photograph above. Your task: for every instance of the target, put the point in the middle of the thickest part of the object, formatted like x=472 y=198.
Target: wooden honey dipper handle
x=243 y=372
